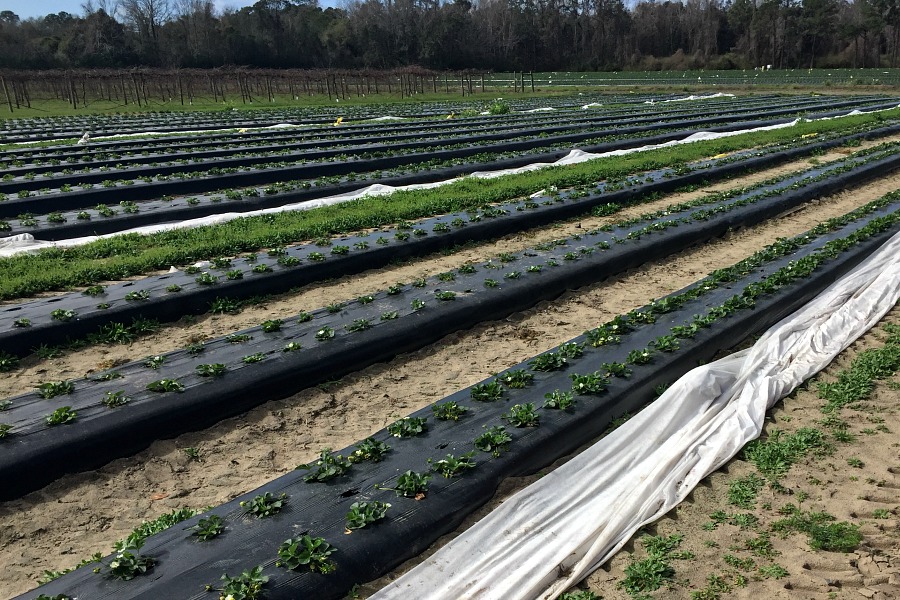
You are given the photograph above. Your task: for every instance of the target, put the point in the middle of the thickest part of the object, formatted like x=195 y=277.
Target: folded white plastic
x=552 y=534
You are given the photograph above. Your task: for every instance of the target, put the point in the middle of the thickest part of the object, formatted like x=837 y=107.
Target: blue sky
x=38 y=8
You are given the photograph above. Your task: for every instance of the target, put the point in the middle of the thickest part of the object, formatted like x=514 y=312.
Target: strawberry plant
x=366 y=299
x=195 y=348
x=408 y=427
x=639 y=357
x=411 y=485
x=516 y=379
x=7 y=361
x=491 y=283
x=51 y=389
x=364 y=513
x=522 y=415
x=206 y=279
x=590 y=383
x=327 y=467
x=486 y=392
x=449 y=411
x=316 y=256
x=61 y=416
x=334 y=307
x=23 y=322
x=128 y=563
x=326 y=333
x=4 y=430
x=61 y=314
x=264 y=505
x=292 y=347
x=234 y=275
x=417 y=304
x=94 y=290
x=238 y=338
x=212 y=370
x=246 y=586
x=262 y=268
x=155 y=362
x=303 y=317
x=165 y=385
x=221 y=306
x=359 y=325
x=308 y=552
x=451 y=466
x=370 y=449
x=494 y=440
x=467 y=269
x=114 y=399
x=173 y=288
x=389 y=315
x=209 y=527
x=445 y=296
x=448 y=276
x=271 y=325
x=254 y=358
x=140 y=296
x=615 y=369
x=665 y=343
x=395 y=289
x=559 y=400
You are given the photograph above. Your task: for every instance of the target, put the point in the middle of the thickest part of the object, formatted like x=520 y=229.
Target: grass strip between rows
x=132 y=254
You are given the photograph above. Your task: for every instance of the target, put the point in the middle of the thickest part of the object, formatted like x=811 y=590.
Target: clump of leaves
x=264 y=505
x=449 y=411
x=246 y=586
x=326 y=333
x=823 y=529
x=559 y=400
x=51 y=389
x=61 y=314
x=271 y=325
x=128 y=563
x=408 y=427
x=742 y=491
x=61 y=416
x=495 y=440
x=165 y=385
x=370 y=449
x=253 y=358
x=451 y=466
x=209 y=527
x=364 y=513
x=211 y=370
x=4 y=430
x=589 y=383
x=308 y=552
x=487 y=392
x=114 y=399
x=522 y=415
x=516 y=379
x=327 y=467
x=154 y=362
x=412 y=485
x=8 y=362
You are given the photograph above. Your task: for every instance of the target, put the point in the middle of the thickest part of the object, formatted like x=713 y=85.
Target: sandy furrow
x=85 y=513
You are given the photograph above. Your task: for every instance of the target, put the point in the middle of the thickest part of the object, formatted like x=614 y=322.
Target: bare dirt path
x=82 y=514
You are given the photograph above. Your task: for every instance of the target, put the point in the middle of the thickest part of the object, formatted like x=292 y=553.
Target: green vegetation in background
x=132 y=254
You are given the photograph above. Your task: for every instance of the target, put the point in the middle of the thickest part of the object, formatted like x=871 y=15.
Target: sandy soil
x=240 y=454
x=865 y=495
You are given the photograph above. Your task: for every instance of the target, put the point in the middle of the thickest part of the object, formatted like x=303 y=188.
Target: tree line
x=500 y=35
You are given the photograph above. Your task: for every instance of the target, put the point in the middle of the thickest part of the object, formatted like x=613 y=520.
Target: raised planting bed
x=167 y=297
x=342 y=161
x=439 y=464
x=261 y=363
x=166 y=151
x=105 y=219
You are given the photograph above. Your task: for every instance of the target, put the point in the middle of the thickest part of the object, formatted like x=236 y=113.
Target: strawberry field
x=277 y=355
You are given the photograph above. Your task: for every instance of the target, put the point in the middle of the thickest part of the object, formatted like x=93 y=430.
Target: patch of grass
x=824 y=530
x=650 y=573
x=774 y=455
x=742 y=492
